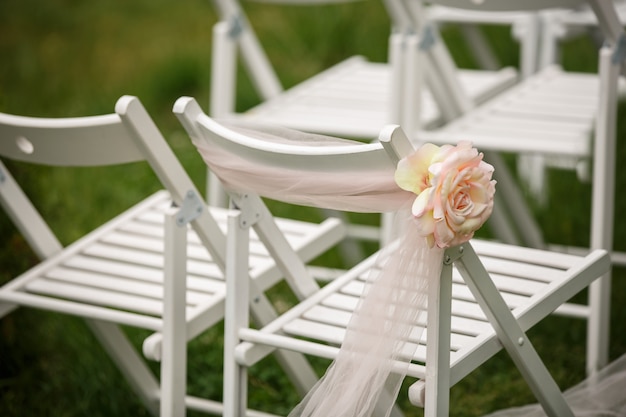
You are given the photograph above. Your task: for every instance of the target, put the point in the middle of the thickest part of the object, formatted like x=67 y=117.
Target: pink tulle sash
x=382 y=334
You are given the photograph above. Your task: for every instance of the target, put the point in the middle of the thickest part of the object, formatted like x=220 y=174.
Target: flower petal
x=422 y=203
x=412 y=171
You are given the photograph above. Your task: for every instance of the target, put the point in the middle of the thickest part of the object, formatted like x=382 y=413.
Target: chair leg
x=238 y=288
x=235 y=386
x=510 y=334
x=129 y=362
x=236 y=315
x=598 y=325
x=174 y=360
x=602 y=210
x=437 y=380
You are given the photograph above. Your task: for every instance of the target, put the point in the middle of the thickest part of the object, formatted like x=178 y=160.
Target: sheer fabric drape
x=373 y=191
x=600 y=395
x=382 y=334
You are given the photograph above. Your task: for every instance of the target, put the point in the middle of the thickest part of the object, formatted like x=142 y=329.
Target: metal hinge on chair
x=191 y=208
x=619 y=55
x=250 y=212
x=428 y=38
x=235 y=26
x=453 y=254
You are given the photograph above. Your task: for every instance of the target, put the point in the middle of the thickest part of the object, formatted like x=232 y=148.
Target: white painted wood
x=512 y=336
x=437 y=378
x=602 y=210
x=174 y=361
x=236 y=315
x=223 y=69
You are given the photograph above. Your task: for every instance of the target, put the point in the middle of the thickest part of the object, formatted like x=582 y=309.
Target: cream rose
x=454 y=191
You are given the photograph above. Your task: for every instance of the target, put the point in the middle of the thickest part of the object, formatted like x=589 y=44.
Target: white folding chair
x=540 y=32
x=561 y=114
x=157 y=266
x=565 y=101
x=493 y=294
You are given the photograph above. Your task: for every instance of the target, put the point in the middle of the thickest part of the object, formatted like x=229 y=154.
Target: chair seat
x=551 y=113
x=115 y=272
x=532 y=282
x=352 y=99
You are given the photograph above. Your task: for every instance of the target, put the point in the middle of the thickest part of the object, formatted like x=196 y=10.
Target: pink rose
x=454 y=191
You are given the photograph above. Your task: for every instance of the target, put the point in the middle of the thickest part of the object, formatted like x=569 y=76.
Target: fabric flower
x=454 y=191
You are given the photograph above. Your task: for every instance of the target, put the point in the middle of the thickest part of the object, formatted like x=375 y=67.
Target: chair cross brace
x=235 y=26
x=510 y=333
x=428 y=38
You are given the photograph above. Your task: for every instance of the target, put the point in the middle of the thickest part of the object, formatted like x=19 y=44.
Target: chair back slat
x=80 y=141
x=353 y=156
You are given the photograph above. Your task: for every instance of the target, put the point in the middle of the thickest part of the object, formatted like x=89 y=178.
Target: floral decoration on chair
x=454 y=191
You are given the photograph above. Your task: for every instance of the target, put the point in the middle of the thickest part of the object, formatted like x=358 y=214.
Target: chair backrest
x=128 y=135
x=343 y=158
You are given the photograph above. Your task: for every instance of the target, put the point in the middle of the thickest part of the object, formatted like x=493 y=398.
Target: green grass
x=73 y=58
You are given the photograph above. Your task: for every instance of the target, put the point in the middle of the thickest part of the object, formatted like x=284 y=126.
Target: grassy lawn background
x=73 y=58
